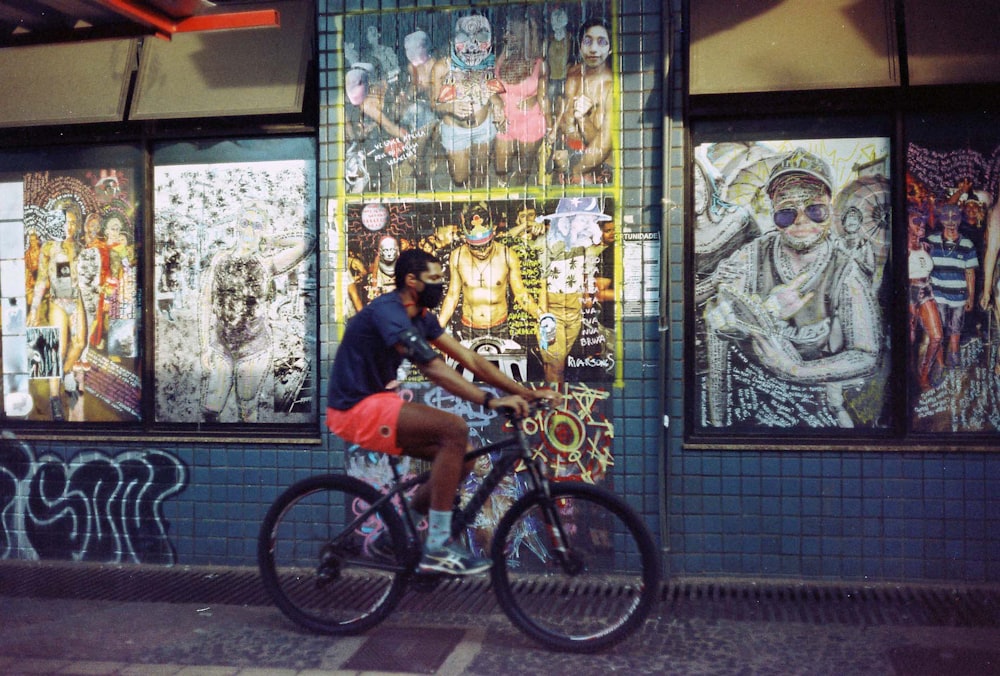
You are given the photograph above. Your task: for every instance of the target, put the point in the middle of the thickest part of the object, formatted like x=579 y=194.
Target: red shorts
x=371 y=423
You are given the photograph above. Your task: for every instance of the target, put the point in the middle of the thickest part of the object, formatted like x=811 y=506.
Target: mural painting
x=69 y=292
x=93 y=507
x=530 y=282
x=497 y=97
x=954 y=285
x=235 y=287
x=491 y=116
x=791 y=246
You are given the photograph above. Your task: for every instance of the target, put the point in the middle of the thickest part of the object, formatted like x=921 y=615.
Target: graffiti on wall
x=954 y=279
x=791 y=244
x=93 y=507
x=235 y=280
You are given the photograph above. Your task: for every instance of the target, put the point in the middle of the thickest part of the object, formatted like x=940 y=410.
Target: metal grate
x=710 y=599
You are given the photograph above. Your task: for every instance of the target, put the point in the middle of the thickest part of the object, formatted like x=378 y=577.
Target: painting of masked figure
x=791 y=246
x=69 y=293
x=530 y=283
x=493 y=97
x=953 y=240
x=235 y=282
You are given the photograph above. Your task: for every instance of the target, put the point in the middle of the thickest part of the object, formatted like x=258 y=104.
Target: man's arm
x=970 y=287
x=450 y=301
x=372 y=108
x=990 y=256
x=41 y=286
x=291 y=250
x=438 y=372
x=596 y=132
x=862 y=340
x=564 y=120
x=206 y=326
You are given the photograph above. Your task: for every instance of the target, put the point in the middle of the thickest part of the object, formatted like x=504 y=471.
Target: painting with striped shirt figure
x=953 y=167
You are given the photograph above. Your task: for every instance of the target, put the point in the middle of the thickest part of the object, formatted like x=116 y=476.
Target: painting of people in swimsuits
x=498 y=97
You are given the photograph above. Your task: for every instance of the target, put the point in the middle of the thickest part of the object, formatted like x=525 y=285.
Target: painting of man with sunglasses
x=798 y=308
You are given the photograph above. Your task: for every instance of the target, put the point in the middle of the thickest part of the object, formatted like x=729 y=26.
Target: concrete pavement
x=699 y=627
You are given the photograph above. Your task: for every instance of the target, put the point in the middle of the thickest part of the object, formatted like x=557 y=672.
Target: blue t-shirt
x=367 y=359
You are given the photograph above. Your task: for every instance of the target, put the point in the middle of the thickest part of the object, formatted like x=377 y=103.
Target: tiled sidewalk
x=700 y=627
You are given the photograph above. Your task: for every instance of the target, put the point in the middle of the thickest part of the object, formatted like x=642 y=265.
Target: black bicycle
x=574 y=567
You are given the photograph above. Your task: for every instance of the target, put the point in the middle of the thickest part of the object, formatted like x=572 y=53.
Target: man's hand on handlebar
x=523 y=406
x=546 y=398
x=514 y=402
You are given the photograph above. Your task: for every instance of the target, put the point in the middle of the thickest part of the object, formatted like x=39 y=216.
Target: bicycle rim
x=322 y=577
x=606 y=590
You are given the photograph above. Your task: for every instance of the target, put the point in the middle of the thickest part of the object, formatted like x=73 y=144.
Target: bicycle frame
x=511 y=449
x=570 y=543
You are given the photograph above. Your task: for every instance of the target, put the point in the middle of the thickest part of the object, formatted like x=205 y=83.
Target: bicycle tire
x=589 y=609
x=333 y=587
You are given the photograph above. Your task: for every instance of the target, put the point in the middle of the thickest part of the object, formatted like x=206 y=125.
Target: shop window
x=953 y=236
x=69 y=285
x=212 y=328
x=234 y=282
x=792 y=45
x=791 y=246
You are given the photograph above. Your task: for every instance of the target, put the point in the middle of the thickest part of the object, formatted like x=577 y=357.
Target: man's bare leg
x=432 y=434
x=458 y=167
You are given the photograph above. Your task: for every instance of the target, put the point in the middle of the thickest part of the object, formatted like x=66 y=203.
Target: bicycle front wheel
x=323 y=576
x=592 y=595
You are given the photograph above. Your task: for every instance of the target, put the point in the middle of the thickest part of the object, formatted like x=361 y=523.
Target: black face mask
x=431 y=296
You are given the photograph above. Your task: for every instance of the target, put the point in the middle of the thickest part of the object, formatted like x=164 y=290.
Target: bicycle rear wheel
x=322 y=576
x=599 y=592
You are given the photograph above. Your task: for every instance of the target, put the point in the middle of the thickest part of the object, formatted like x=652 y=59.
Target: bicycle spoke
x=325 y=579
x=598 y=593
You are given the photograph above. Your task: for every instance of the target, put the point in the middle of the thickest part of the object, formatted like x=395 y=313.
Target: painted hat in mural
x=478 y=225
x=800 y=161
x=577 y=206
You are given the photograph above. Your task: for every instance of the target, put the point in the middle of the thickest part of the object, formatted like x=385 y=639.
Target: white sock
x=438 y=529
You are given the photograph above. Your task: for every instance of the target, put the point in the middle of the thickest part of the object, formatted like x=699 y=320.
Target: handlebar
x=534 y=406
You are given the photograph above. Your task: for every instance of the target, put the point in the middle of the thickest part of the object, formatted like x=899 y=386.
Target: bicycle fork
x=568 y=558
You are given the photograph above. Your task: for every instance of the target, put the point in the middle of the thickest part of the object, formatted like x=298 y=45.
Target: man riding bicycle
x=365 y=408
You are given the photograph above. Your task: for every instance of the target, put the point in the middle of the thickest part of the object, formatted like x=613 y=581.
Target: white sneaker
x=453 y=560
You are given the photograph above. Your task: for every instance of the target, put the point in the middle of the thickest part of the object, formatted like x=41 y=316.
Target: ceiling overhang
x=165 y=26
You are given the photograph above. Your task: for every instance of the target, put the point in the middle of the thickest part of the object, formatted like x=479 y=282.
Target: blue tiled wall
x=818 y=514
